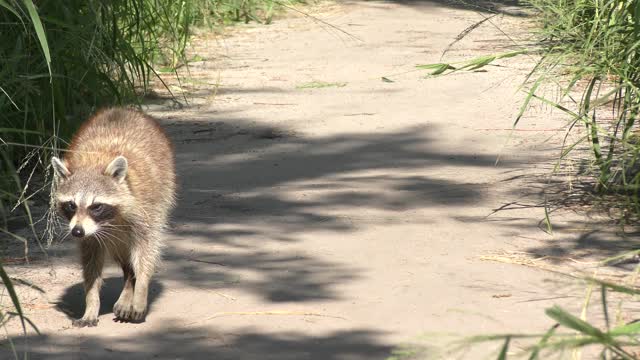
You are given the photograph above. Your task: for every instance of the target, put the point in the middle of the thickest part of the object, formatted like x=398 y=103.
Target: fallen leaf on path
x=498 y=296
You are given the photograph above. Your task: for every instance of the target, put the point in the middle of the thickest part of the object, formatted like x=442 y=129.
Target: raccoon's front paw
x=122 y=307
x=138 y=313
x=129 y=312
x=85 y=322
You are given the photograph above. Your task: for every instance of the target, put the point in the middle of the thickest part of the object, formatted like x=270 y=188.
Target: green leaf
x=8 y=6
x=473 y=64
x=586 y=108
x=42 y=37
x=321 y=84
x=480 y=62
x=575 y=323
x=437 y=68
x=556 y=105
x=442 y=69
x=21 y=131
x=615 y=287
x=505 y=348
x=628 y=329
x=512 y=54
x=636 y=20
x=530 y=94
x=541 y=344
x=27 y=320
x=547 y=219
x=387 y=80
x=12 y=294
x=430 y=66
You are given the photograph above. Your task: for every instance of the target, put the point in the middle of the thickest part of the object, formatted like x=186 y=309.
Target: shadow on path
x=507 y=7
x=177 y=342
x=72 y=301
x=244 y=185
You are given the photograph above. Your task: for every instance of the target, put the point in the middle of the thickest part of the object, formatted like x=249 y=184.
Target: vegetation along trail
x=334 y=203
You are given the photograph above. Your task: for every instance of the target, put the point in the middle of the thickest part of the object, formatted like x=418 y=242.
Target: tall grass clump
x=588 y=52
x=60 y=60
x=211 y=13
x=594 y=45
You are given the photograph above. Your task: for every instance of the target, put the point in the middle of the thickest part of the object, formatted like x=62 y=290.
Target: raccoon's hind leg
x=92 y=263
x=123 y=306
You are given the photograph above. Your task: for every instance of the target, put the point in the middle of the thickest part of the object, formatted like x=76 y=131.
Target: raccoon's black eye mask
x=68 y=209
x=98 y=211
x=102 y=212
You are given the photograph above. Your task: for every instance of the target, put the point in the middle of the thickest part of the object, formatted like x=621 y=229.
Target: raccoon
x=116 y=187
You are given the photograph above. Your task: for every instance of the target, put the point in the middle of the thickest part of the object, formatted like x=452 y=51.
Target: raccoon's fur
x=116 y=186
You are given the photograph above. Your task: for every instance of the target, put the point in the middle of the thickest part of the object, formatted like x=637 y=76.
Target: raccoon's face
x=90 y=200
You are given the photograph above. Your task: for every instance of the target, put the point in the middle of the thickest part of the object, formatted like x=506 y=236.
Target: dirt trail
x=333 y=222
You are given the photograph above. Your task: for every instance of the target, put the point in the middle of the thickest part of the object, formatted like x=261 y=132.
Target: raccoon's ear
x=59 y=168
x=117 y=168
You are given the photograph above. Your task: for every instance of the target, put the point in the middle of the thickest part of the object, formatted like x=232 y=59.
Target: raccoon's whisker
x=101 y=240
x=111 y=242
x=113 y=238
x=126 y=227
x=107 y=241
x=109 y=234
x=104 y=242
x=117 y=227
x=136 y=223
x=97 y=237
x=113 y=230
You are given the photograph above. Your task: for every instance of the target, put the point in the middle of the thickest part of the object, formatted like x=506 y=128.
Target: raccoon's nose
x=77 y=231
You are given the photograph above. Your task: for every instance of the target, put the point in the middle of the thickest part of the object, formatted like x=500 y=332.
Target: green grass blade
x=572 y=322
x=547 y=218
x=321 y=84
x=14 y=297
x=527 y=100
x=542 y=343
x=20 y=131
x=479 y=63
x=615 y=287
x=42 y=37
x=557 y=106
x=8 y=6
x=31 y=323
x=605 y=305
x=628 y=329
x=470 y=65
x=505 y=348
x=438 y=68
x=636 y=22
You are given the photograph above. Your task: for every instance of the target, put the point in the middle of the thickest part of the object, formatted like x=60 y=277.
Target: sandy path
x=357 y=211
